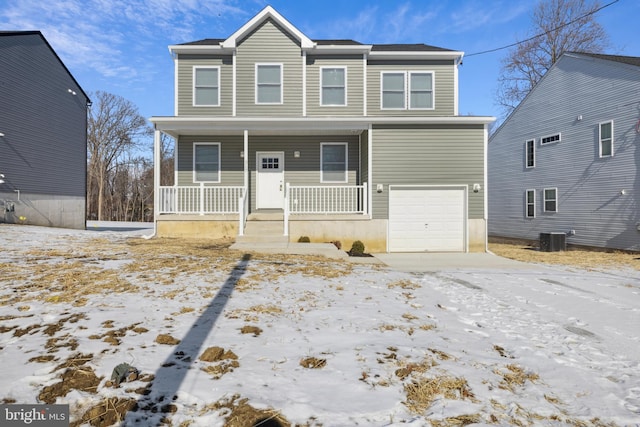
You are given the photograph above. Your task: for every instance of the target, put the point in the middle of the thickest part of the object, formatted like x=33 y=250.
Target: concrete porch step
x=263 y=231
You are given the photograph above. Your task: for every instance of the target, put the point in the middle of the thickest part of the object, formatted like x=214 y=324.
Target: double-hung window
x=206 y=86
x=530 y=203
x=550 y=196
x=333 y=162
x=206 y=162
x=268 y=83
x=420 y=90
x=530 y=153
x=606 y=139
x=393 y=90
x=333 y=86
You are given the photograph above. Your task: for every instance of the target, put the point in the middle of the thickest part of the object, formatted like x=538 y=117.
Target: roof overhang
x=445 y=55
x=176 y=126
x=183 y=49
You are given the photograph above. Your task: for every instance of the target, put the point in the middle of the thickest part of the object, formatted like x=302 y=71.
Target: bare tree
x=114 y=127
x=558 y=26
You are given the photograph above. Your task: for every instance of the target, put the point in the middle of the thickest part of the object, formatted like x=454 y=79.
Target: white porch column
x=246 y=159
x=370 y=170
x=156 y=174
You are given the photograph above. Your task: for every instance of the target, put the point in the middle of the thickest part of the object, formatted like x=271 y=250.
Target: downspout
x=156 y=182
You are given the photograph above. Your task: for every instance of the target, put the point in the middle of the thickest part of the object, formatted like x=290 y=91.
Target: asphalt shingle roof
x=631 y=60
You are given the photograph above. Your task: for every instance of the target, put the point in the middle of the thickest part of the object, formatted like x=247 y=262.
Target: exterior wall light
x=296 y=154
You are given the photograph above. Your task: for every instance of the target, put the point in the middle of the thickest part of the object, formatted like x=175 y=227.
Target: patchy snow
x=543 y=345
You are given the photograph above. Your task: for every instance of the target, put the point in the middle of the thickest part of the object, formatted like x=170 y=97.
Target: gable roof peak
x=263 y=15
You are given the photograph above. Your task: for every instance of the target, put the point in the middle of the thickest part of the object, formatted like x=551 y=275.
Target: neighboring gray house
x=43 y=135
x=568 y=158
x=330 y=139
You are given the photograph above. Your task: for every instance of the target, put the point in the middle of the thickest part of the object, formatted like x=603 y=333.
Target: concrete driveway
x=423 y=262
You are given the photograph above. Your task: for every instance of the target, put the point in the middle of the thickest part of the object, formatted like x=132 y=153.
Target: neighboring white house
x=329 y=139
x=568 y=158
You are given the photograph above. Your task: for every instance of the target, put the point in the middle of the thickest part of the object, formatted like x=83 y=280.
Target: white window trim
x=281 y=82
x=219 y=161
x=526 y=203
x=544 y=199
x=346 y=162
x=382 y=107
x=433 y=89
x=199 y=67
x=322 y=104
x=600 y=139
x=526 y=153
x=552 y=142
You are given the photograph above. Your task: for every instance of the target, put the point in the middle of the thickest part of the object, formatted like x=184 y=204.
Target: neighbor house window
x=606 y=139
x=420 y=90
x=393 y=90
x=206 y=162
x=530 y=153
x=550 y=199
x=206 y=86
x=333 y=90
x=550 y=139
x=530 y=203
x=333 y=162
x=268 y=83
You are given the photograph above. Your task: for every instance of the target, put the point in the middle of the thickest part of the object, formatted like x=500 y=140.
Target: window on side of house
x=206 y=162
x=530 y=203
x=333 y=162
x=206 y=86
x=606 y=139
x=333 y=86
x=530 y=153
x=420 y=90
x=550 y=196
x=550 y=139
x=268 y=83
x=393 y=90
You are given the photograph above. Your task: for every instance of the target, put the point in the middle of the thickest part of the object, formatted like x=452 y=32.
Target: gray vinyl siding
x=304 y=170
x=43 y=153
x=269 y=43
x=444 y=86
x=185 y=85
x=364 y=156
x=589 y=187
x=430 y=155
x=355 y=72
x=231 y=164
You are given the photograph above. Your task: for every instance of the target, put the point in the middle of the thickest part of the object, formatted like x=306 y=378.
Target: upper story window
x=403 y=90
x=333 y=158
x=206 y=86
x=550 y=139
x=606 y=139
x=206 y=162
x=530 y=153
x=333 y=86
x=268 y=83
x=420 y=90
x=530 y=203
x=550 y=196
x=393 y=90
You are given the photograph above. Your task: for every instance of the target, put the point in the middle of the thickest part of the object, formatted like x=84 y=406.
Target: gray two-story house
x=333 y=139
x=567 y=159
x=43 y=135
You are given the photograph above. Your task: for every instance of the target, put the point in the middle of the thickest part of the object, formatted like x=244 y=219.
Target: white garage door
x=427 y=219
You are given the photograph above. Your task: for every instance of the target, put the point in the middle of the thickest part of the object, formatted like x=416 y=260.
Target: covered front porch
x=308 y=171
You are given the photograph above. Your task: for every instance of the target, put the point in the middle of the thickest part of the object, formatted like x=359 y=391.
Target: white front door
x=270 y=180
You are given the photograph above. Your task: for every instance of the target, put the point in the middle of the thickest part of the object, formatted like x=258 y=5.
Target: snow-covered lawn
x=229 y=337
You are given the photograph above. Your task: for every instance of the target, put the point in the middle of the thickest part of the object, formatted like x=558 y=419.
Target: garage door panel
x=427 y=219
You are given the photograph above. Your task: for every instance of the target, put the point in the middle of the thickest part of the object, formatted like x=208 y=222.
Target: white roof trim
x=399 y=54
x=267 y=12
x=193 y=48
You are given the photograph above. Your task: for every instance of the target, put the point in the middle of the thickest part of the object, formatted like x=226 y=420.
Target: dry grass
x=422 y=392
x=515 y=377
x=576 y=257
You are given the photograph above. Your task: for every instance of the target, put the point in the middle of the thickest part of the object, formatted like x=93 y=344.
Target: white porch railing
x=200 y=199
x=324 y=199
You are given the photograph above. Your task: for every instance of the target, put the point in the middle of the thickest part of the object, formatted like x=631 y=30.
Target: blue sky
x=120 y=46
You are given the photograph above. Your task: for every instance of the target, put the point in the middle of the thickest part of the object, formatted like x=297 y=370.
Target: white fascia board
x=344 y=49
x=437 y=55
x=267 y=12
x=200 y=49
